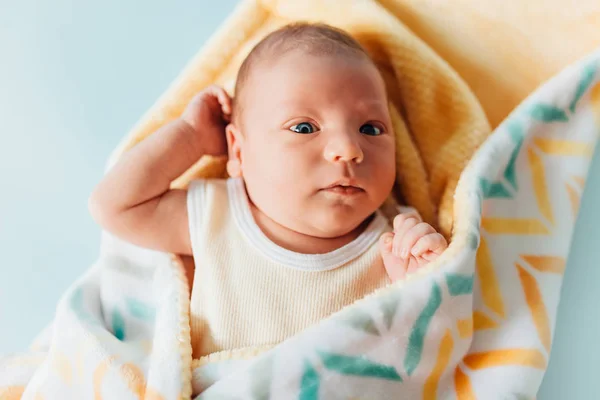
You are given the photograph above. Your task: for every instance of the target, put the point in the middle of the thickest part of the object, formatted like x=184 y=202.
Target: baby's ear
x=234 y=146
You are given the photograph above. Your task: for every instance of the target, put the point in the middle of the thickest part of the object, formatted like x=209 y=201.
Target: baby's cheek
x=270 y=176
x=385 y=171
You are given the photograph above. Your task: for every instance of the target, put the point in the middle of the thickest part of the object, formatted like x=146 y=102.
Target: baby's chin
x=333 y=226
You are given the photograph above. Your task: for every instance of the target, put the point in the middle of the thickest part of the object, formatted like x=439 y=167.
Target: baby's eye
x=303 y=128
x=370 y=129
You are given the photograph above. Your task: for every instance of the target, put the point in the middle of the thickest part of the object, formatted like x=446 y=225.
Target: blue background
x=74 y=77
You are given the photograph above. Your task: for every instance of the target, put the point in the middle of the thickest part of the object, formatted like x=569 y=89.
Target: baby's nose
x=344 y=148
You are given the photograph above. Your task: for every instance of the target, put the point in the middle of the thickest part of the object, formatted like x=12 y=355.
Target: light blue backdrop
x=74 y=77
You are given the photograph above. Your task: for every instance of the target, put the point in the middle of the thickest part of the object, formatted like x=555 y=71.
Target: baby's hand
x=412 y=245
x=208 y=113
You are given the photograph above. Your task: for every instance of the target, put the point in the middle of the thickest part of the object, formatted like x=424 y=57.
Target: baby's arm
x=134 y=202
x=412 y=245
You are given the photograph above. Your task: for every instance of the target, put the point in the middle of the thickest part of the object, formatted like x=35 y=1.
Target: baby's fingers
x=402 y=225
x=222 y=97
x=394 y=266
x=225 y=101
x=412 y=236
x=432 y=242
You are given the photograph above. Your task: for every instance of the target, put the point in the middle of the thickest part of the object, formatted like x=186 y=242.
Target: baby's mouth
x=345 y=188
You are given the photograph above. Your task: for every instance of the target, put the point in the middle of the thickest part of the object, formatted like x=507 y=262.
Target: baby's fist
x=412 y=245
x=208 y=113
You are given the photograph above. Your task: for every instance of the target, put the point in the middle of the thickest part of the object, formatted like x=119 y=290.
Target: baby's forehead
x=291 y=65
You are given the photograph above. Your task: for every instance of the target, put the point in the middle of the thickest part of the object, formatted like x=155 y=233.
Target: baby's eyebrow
x=293 y=108
x=369 y=105
x=378 y=108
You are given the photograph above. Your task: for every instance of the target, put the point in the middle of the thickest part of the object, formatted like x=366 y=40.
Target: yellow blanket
x=503 y=49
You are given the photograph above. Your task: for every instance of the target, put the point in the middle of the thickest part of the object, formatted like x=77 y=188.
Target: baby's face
x=317 y=153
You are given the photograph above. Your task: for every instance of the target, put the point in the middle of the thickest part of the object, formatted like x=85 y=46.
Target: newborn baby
x=296 y=233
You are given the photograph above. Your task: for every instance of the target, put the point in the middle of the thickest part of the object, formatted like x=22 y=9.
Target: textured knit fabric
x=250 y=292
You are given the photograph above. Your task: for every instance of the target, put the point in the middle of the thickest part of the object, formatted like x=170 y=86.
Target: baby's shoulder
x=203 y=184
x=209 y=194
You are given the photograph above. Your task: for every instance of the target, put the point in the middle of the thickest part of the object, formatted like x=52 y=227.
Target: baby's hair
x=311 y=38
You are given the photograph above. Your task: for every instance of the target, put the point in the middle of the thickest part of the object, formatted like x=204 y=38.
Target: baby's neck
x=299 y=242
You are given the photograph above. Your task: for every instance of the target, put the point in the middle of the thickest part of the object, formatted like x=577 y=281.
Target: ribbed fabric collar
x=244 y=219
